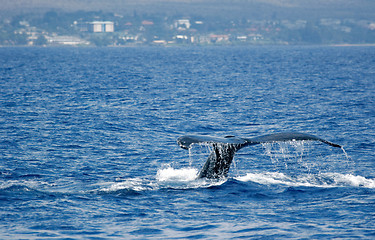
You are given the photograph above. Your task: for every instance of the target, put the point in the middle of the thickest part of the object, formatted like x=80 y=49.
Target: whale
x=224 y=148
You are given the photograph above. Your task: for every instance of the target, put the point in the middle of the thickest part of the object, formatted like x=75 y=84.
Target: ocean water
x=88 y=142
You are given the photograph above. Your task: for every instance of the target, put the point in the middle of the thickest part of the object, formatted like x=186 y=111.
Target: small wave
x=352 y=180
x=14 y=192
x=266 y=178
x=16 y=189
x=30 y=184
x=309 y=180
x=134 y=184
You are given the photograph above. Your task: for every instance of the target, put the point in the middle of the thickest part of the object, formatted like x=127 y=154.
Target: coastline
x=189 y=45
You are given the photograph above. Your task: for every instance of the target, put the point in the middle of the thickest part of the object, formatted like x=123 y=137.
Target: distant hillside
x=250 y=9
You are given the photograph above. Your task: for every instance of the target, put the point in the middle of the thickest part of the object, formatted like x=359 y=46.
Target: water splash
x=166 y=178
x=325 y=180
x=190 y=156
x=294 y=156
x=304 y=157
x=288 y=154
x=198 y=151
x=305 y=167
x=176 y=175
x=345 y=153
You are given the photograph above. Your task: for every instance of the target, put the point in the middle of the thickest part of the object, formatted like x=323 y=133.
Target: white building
x=102 y=26
x=182 y=24
x=66 y=40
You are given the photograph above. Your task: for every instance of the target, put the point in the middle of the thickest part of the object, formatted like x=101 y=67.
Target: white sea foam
x=269 y=178
x=176 y=175
x=184 y=178
x=352 y=180
x=135 y=184
x=319 y=180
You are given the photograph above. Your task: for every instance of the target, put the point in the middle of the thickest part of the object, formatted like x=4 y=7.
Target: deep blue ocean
x=88 y=142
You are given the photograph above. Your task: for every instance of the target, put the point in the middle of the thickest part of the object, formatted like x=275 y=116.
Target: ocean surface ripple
x=88 y=142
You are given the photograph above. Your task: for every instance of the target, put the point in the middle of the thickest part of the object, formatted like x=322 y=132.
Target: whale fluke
x=219 y=160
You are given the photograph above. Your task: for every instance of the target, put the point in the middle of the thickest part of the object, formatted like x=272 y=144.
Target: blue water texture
x=88 y=142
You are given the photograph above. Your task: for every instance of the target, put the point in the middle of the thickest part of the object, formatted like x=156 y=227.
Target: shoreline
x=194 y=45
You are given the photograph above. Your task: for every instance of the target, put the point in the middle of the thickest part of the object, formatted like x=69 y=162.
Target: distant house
x=101 y=26
x=66 y=40
x=371 y=26
x=242 y=38
x=182 y=24
x=219 y=38
x=159 y=42
x=147 y=23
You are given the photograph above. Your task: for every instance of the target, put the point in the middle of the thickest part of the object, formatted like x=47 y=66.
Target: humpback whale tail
x=219 y=160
